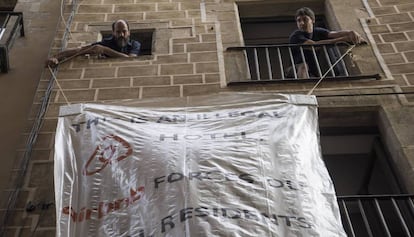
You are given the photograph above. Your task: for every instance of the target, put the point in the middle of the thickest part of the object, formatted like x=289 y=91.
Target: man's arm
x=340 y=36
x=95 y=49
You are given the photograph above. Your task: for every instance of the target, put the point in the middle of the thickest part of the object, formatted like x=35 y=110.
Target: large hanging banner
x=241 y=164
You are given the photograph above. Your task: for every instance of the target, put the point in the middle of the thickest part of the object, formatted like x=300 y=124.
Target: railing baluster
x=364 y=217
x=316 y=61
x=348 y=220
x=256 y=63
x=397 y=210
x=304 y=60
x=342 y=61
x=292 y=61
x=279 y=55
x=328 y=59
x=269 y=66
x=384 y=224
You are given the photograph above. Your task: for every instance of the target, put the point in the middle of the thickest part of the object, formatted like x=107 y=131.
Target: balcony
x=276 y=63
x=12 y=24
x=377 y=215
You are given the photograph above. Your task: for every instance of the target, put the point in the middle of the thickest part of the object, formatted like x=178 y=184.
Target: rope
x=57 y=83
x=330 y=69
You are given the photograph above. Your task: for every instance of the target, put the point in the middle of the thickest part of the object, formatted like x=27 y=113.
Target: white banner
x=228 y=165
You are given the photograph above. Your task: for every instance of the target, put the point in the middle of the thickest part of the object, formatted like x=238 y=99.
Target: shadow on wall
x=7 y=5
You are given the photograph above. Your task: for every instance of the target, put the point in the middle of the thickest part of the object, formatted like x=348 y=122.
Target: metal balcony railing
x=377 y=215
x=272 y=63
x=12 y=24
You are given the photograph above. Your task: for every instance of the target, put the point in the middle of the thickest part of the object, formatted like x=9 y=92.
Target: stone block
x=89 y=18
x=192 y=90
x=118 y=1
x=194 y=13
x=75 y=84
x=41 y=174
x=393 y=58
x=112 y=82
x=76 y=96
x=177 y=69
x=190 y=5
x=212 y=78
x=178 y=48
x=188 y=79
x=166 y=91
x=208 y=37
x=394 y=37
x=384 y=10
x=400 y=27
x=409 y=56
x=201 y=47
x=405 y=46
x=410 y=78
x=385 y=48
x=88 y=8
x=376 y=29
x=140 y=7
x=133 y=71
x=131 y=17
x=204 y=57
x=99 y=72
x=186 y=40
x=410 y=98
x=181 y=22
x=167 y=6
x=174 y=58
x=406 y=7
x=167 y=15
x=209 y=67
x=182 y=32
x=394 y=18
x=411 y=35
x=69 y=74
x=118 y=93
x=402 y=68
x=152 y=81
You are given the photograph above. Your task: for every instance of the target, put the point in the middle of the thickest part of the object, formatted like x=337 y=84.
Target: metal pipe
x=384 y=224
x=397 y=210
x=316 y=61
x=279 y=55
x=256 y=64
x=269 y=68
x=364 y=218
x=292 y=61
x=348 y=220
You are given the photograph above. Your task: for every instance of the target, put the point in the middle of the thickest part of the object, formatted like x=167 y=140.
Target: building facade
x=204 y=47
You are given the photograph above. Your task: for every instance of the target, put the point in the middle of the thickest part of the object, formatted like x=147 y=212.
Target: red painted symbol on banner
x=112 y=149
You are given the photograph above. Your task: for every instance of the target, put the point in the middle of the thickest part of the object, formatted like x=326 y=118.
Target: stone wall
x=189 y=58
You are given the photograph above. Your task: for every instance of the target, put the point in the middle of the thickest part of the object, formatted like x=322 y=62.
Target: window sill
x=313 y=80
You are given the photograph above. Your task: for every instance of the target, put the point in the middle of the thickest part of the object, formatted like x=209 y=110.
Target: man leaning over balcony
x=116 y=46
x=308 y=34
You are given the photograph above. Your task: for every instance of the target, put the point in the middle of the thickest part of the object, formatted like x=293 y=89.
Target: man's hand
x=355 y=38
x=51 y=62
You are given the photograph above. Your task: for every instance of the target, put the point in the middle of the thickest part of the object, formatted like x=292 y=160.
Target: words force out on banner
x=230 y=169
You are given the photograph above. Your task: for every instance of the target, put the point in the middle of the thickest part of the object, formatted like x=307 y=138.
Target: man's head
x=305 y=18
x=120 y=31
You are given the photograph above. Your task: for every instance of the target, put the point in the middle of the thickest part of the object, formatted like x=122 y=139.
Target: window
x=144 y=36
x=370 y=192
x=270 y=56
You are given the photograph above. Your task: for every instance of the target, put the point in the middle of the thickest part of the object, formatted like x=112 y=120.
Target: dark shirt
x=300 y=37
x=132 y=47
